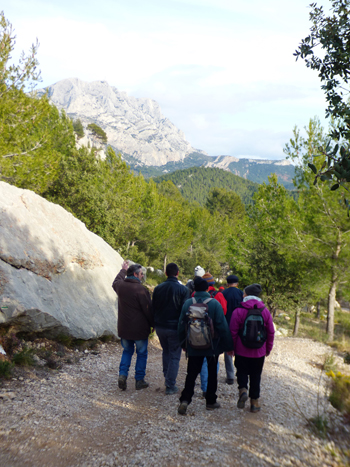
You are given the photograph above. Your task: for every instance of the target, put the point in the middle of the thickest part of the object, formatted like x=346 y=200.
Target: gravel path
x=77 y=416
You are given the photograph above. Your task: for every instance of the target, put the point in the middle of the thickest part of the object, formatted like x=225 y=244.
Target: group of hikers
x=203 y=322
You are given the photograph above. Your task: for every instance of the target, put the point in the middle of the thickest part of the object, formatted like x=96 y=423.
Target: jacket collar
x=173 y=279
x=202 y=295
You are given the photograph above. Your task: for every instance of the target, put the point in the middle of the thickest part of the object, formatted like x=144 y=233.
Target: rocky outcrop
x=135 y=127
x=55 y=275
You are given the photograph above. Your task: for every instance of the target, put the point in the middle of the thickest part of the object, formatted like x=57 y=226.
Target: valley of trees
x=296 y=247
x=195 y=183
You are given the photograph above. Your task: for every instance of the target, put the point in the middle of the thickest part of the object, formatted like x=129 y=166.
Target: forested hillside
x=195 y=183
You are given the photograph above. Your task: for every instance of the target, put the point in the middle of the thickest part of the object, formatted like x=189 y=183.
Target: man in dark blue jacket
x=234 y=298
x=167 y=302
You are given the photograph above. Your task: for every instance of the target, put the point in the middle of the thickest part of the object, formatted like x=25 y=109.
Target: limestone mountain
x=147 y=140
x=134 y=127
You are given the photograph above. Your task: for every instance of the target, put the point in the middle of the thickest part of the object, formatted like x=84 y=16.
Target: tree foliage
x=195 y=183
x=98 y=132
x=325 y=230
x=332 y=34
x=78 y=128
x=33 y=134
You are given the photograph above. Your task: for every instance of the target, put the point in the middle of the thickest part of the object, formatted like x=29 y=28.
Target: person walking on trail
x=167 y=302
x=135 y=320
x=234 y=297
x=214 y=293
x=198 y=272
x=249 y=361
x=221 y=342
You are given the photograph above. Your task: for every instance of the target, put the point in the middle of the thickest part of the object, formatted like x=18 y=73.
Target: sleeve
x=222 y=329
x=154 y=299
x=146 y=305
x=118 y=280
x=270 y=330
x=221 y=299
x=181 y=327
x=234 y=327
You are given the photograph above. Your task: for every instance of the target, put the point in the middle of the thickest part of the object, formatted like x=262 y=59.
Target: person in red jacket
x=214 y=293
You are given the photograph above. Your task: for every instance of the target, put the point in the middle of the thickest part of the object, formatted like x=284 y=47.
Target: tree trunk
x=165 y=258
x=318 y=314
x=332 y=292
x=296 y=324
x=330 y=311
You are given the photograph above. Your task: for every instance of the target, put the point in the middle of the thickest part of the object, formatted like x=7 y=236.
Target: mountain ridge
x=146 y=139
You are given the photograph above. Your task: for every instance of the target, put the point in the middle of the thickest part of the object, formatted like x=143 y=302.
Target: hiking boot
x=171 y=390
x=229 y=381
x=213 y=406
x=254 y=405
x=122 y=382
x=182 y=408
x=243 y=397
x=141 y=384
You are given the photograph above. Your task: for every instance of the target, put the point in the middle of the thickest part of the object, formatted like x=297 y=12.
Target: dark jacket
x=234 y=298
x=167 y=302
x=222 y=343
x=135 y=317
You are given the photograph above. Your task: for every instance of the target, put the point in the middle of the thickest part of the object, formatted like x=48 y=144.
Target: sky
x=222 y=71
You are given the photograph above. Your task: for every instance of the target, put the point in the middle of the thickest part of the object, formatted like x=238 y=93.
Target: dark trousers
x=194 y=367
x=251 y=367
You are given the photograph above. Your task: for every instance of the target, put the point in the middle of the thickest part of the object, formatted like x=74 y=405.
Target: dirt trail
x=78 y=416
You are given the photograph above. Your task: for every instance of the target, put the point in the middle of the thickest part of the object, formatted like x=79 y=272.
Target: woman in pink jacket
x=250 y=361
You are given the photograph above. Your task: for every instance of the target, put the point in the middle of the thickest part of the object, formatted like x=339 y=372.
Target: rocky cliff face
x=134 y=127
x=55 y=275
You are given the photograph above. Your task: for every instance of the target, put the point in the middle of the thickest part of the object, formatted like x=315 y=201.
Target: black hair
x=171 y=269
x=200 y=284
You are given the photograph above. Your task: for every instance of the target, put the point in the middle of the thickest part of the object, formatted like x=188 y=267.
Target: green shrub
x=98 y=132
x=319 y=424
x=64 y=340
x=6 y=369
x=329 y=363
x=107 y=338
x=340 y=392
x=78 y=128
x=24 y=358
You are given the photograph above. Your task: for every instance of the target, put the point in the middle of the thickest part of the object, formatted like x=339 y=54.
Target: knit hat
x=200 y=284
x=209 y=278
x=198 y=271
x=232 y=279
x=254 y=289
x=221 y=288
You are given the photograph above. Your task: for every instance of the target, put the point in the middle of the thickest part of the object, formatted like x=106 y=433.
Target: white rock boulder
x=55 y=275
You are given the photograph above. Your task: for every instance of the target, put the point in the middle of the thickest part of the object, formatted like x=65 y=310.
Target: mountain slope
x=195 y=183
x=134 y=127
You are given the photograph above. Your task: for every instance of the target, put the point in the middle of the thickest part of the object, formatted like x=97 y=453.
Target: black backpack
x=253 y=333
x=213 y=293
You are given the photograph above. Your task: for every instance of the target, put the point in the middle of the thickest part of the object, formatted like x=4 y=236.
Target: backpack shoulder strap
x=194 y=300
x=207 y=300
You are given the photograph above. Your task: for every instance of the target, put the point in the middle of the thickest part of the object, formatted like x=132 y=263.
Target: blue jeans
x=204 y=374
x=141 y=359
x=169 y=340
